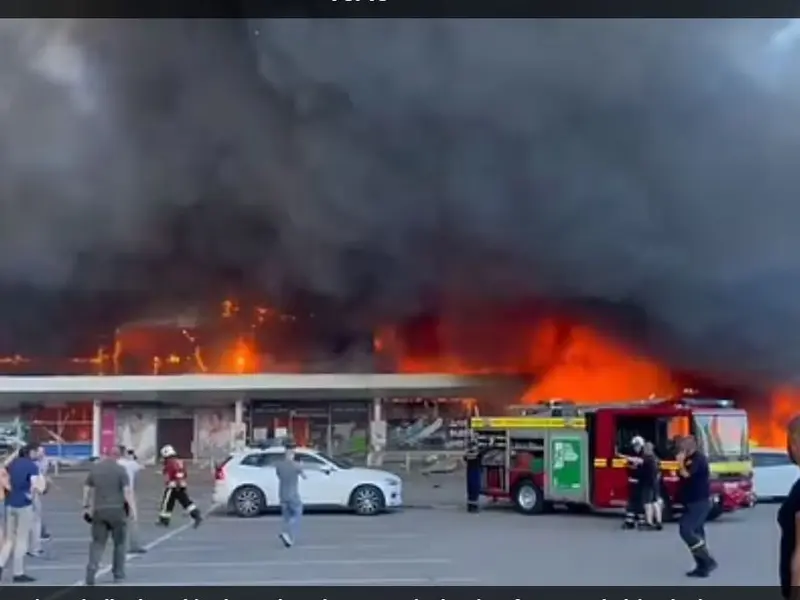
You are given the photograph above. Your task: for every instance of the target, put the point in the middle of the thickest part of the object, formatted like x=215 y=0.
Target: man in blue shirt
x=695 y=492
x=24 y=480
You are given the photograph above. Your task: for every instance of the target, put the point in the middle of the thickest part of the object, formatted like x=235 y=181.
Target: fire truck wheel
x=528 y=498
x=248 y=501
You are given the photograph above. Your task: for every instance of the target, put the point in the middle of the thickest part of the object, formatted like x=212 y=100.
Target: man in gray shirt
x=289 y=473
x=107 y=502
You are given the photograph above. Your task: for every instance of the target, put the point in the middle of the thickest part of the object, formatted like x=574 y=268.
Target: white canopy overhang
x=191 y=388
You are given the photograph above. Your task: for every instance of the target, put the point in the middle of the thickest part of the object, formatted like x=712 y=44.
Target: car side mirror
x=326 y=470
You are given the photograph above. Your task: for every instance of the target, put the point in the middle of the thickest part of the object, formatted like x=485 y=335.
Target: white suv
x=247 y=483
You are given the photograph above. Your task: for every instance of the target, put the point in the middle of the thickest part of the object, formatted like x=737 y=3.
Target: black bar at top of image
x=399 y=8
x=364 y=592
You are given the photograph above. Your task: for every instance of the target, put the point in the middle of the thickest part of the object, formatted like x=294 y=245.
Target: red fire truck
x=560 y=453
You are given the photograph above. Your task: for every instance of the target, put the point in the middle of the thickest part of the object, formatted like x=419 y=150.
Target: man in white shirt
x=127 y=460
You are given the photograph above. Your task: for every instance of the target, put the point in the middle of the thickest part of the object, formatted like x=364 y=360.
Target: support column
x=239 y=428
x=377 y=434
x=97 y=428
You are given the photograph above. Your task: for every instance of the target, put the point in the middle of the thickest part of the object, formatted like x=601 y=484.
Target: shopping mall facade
x=206 y=416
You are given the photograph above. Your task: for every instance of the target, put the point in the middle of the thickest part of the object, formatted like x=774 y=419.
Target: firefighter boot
x=196 y=516
x=163 y=521
x=629 y=522
x=704 y=562
x=472 y=507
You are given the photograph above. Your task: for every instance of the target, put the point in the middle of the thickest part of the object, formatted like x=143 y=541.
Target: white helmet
x=637 y=441
x=167 y=451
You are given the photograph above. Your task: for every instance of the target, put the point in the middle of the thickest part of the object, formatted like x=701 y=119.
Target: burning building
x=605 y=207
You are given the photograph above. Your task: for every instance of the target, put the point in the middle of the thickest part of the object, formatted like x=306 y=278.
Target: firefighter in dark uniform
x=634 y=509
x=175 y=489
x=472 y=459
x=695 y=494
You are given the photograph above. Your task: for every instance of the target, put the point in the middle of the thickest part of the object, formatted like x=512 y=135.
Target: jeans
x=291 y=512
x=692 y=523
x=18 y=530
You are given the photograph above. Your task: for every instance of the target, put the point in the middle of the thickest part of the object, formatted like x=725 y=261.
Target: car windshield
x=338 y=462
x=723 y=437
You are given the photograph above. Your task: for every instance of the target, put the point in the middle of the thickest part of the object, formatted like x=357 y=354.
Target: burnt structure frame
x=401 y=8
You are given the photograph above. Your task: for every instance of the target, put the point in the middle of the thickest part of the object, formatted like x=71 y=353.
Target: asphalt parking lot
x=422 y=546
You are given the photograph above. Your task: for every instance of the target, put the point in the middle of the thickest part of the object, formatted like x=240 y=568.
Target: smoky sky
x=386 y=167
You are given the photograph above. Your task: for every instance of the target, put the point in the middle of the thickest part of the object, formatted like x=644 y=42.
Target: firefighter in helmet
x=634 y=509
x=175 y=488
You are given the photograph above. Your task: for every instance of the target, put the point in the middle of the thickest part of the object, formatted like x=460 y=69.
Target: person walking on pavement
x=107 y=503
x=24 y=481
x=37 y=455
x=175 y=489
x=128 y=462
x=5 y=487
x=651 y=484
x=695 y=493
x=44 y=467
x=634 y=509
x=289 y=473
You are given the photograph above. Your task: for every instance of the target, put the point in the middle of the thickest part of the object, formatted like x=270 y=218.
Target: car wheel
x=528 y=498
x=248 y=501
x=367 y=500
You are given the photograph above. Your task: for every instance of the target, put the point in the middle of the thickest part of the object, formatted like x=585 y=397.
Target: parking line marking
x=388 y=535
x=55 y=567
x=292 y=563
x=156 y=542
x=337 y=581
x=197 y=547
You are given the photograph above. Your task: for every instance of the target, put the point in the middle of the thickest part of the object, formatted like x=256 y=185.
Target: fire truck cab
x=559 y=453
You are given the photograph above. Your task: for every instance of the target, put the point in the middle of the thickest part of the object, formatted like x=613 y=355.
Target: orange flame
x=572 y=362
x=593 y=368
x=769 y=420
x=564 y=360
x=240 y=359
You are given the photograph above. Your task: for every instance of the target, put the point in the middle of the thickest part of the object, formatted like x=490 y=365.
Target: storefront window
x=13 y=432
x=339 y=428
x=350 y=429
x=65 y=432
x=427 y=424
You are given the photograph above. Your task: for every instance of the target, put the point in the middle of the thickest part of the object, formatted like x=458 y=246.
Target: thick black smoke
x=379 y=165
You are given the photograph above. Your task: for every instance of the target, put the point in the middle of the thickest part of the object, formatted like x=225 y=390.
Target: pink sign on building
x=108 y=429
